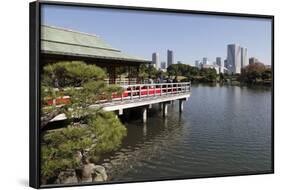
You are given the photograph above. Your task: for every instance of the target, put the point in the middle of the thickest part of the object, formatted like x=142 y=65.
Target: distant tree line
x=256 y=73
x=252 y=74
x=191 y=73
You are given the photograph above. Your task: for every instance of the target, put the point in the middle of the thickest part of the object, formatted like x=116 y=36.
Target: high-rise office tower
x=220 y=64
x=155 y=60
x=197 y=64
x=170 y=57
x=225 y=63
x=234 y=58
x=253 y=60
x=218 y=61
x=163 y=65
x=244 y=57
x=205 y=61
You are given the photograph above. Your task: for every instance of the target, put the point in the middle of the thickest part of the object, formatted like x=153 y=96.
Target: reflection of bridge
x=145 y=95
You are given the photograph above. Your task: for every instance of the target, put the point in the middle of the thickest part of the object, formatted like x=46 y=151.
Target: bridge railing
x=138 y=91
x=123 y=81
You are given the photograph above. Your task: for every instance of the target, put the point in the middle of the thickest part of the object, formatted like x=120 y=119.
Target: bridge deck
x=142 y=95
x=146 y=94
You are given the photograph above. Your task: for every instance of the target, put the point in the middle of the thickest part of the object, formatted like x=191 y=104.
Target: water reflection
x=144 y=129
x=223 y=129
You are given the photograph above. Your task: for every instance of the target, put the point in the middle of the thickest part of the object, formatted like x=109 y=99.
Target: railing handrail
x=155 y=84
x=122 y=81
x=139 y=91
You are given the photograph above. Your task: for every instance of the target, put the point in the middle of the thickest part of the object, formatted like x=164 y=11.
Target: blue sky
x=191 y=37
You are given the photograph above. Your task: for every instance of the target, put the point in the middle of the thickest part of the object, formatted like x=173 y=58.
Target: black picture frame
x=34 y=81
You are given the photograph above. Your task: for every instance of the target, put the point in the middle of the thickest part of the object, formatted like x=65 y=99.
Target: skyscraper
x=205 y=61
x=225 y=66
x=218 y=61
x=197 y=64
x=253 y=60
x=170 y=57
x=163 y=65
x=219 y=64
x=244 y=57
x=155 y=60
x=234 y=58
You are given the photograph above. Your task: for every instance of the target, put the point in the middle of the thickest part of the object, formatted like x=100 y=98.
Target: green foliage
x=101 y=133
x=209 y=75
x=266 y=75
x=143 y=72
x=161 y=74
x=192 y=73
x=173 y=70
x=71 y=73
x=109 y=132
x=252 y=74
x=83 y=83
x=183 y=70
x=94 y=131
x=147 y=71
x=221 y=77
x=58 y=148
x=255 y=73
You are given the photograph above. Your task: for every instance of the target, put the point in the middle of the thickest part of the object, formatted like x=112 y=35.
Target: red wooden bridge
x=140 y=95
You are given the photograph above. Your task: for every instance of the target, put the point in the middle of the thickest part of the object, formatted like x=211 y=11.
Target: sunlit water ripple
x=222 y=130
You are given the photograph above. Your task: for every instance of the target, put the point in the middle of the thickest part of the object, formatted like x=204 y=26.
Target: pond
x=222 y=130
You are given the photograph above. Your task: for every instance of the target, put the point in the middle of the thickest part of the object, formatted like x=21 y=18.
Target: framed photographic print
x=130 y=94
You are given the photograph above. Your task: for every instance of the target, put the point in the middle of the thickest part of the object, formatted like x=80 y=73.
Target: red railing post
x=139 y=91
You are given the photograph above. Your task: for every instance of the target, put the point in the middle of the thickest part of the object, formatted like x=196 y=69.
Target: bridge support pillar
x=120 y=112
x=144 y=114
x=165 y=108
x=181 y=101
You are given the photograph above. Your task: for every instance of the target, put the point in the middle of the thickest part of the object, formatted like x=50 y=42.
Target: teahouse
x=59 y=44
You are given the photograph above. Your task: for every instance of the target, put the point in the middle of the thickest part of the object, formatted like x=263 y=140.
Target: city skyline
x=170 y=57
x=155 y=60
x=234 y=58
x=242 y=54
x=189 y=36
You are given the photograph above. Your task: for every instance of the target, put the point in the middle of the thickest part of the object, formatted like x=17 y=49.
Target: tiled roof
x=67 y=42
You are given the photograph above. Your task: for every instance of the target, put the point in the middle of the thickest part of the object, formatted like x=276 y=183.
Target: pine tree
x=90 y=132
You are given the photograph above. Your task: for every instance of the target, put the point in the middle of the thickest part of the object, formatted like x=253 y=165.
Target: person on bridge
x=150 y=80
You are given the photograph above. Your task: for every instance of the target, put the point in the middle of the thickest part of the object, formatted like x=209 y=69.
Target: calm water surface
x=222 y=130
